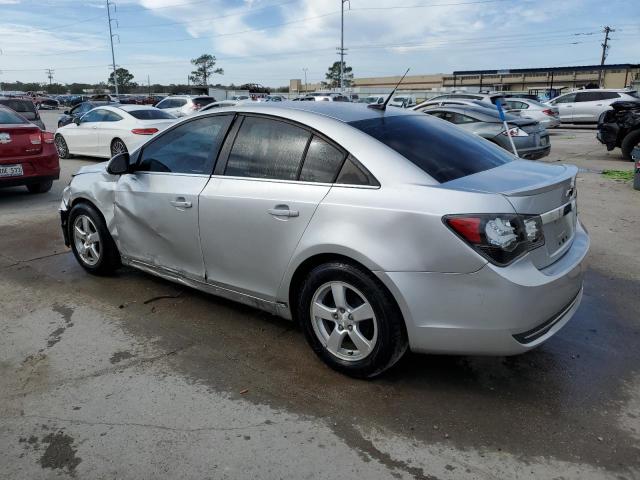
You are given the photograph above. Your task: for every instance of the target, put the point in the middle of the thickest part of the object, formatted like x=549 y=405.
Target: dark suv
x=24 y=107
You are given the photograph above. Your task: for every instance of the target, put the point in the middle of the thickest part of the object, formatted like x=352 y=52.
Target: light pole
x=305 y=70
x=342 y=54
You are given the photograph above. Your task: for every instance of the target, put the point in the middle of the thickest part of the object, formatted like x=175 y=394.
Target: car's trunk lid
x=19 y=140
x=534 y=189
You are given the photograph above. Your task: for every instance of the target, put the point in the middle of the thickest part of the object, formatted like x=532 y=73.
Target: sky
x=271 y=41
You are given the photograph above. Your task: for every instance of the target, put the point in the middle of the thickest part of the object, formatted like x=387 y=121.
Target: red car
x=27 y=154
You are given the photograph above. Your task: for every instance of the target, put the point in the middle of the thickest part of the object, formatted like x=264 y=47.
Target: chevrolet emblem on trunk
x=5 y=137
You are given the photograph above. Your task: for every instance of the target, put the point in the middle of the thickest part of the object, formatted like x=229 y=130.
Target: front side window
x=570 y=98
x=322 y=162
x=266 y=148
x=109 y=116
x=166 y=103
x=190 y=148
x=92 y=116
x=443 y=152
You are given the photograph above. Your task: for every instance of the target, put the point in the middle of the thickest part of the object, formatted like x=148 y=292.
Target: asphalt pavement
x=134 y=377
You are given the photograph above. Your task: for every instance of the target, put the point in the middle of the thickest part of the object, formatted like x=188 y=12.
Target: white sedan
x=106 y=131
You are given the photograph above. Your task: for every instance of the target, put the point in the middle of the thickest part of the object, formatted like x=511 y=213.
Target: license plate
x=11 y=170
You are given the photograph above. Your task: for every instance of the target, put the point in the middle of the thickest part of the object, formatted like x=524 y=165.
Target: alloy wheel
x=87 y=240
x=344 y=321
x=61 y=146
x=118 y=147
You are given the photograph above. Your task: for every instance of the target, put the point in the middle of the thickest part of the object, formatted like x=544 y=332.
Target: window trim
x=140 y=152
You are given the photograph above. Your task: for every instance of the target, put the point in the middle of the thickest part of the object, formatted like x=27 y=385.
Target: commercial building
x=531 y=80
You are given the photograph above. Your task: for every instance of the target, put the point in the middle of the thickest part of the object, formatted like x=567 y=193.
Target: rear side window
x=189 y=148
x=202 y=101
x=322 y=162
x=8 y=117
x=609 y=95
x=441 y=150
x=353 y=174
x=151 y=115
x=588 y=96
x=266 y=148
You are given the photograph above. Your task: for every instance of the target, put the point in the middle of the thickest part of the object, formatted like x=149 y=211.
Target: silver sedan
x=547 y=116
x=377 y=231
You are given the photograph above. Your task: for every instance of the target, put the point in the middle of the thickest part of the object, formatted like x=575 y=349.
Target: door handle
x=180 y=202
x=283 y=211
x=95 y=126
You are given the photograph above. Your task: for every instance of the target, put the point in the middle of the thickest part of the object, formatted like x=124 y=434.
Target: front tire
x=350 y=320
x=61 y=147
x=631 y=141
x=42 y=187
x=117 y=147
x=91 y=241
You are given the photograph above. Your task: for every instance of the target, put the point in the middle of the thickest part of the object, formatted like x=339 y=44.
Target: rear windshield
x=8 y=117
x=202 y=101
x=442 y=150
x=24 y=107
x=151 y=115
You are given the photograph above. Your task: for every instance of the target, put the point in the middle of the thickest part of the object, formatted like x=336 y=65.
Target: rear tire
x=91 y=241
x=629 y=142
x=61 y=147
x=117 y=147
x=41 y=187
x=359 y=332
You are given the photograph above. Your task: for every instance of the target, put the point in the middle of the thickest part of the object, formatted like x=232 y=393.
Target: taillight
x=47 y=137
x=35 y=138
x=501 y=238
x=549 y=112
x=515 y=132
x=144 y=131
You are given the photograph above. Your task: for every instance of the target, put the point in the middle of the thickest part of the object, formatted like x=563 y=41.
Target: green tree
x=333 y=76
x=125 y=80
x=204 y=69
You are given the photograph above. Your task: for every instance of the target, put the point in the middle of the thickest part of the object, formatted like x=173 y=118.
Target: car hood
x=96 y=168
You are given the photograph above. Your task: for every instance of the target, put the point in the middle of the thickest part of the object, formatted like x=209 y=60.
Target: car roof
x=346 y=112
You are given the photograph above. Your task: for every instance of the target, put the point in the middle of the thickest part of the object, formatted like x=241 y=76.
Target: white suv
x=183 y=105
x=586 y=106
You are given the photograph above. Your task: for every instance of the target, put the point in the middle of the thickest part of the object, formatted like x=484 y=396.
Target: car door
x=565 y=105
x=260 y=201
x=84 y=138
x=156 y=207
x=588 y=106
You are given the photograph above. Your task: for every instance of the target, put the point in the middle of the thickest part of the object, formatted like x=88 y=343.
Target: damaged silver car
x=377 y=230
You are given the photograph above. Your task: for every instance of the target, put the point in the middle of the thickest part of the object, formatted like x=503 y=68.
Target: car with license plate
x=377 y=230
x=545 y=115
x=69 y=116
x=529 y=137
x=183 y=105
x=27 y=154
x=108 y=130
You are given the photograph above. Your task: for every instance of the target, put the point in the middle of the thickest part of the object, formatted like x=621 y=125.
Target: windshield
x=442 y=150
x=151 y=115
x=7 y=117
x=24 y=107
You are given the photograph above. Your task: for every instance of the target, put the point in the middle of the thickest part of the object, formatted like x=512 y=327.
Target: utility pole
x=49 y=72
x=342 y=49
x=605 y=47
x=149 y=84
x=111 y=35
x=305 y=70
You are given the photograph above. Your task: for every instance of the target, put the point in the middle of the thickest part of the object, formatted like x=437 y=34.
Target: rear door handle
x=180 y=202
x=283 y=211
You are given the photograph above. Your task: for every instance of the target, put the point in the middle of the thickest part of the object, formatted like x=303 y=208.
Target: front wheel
x=631 y=141
x=91 y=241
x=61 y=147
x=350 y=320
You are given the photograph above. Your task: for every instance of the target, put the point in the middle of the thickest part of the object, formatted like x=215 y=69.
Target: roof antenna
x=383 y=106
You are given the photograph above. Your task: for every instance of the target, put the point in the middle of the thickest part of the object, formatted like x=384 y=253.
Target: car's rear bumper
x=37 y=169
x=534 y=153
x=494 y=311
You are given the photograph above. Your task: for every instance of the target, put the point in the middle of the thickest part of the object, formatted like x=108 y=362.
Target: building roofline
x=578 y=68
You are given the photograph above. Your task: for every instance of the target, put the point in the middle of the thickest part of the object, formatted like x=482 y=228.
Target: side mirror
x=120 y=164
x=76 y=120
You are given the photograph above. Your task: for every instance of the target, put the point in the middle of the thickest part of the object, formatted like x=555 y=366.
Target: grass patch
x=625 y=175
